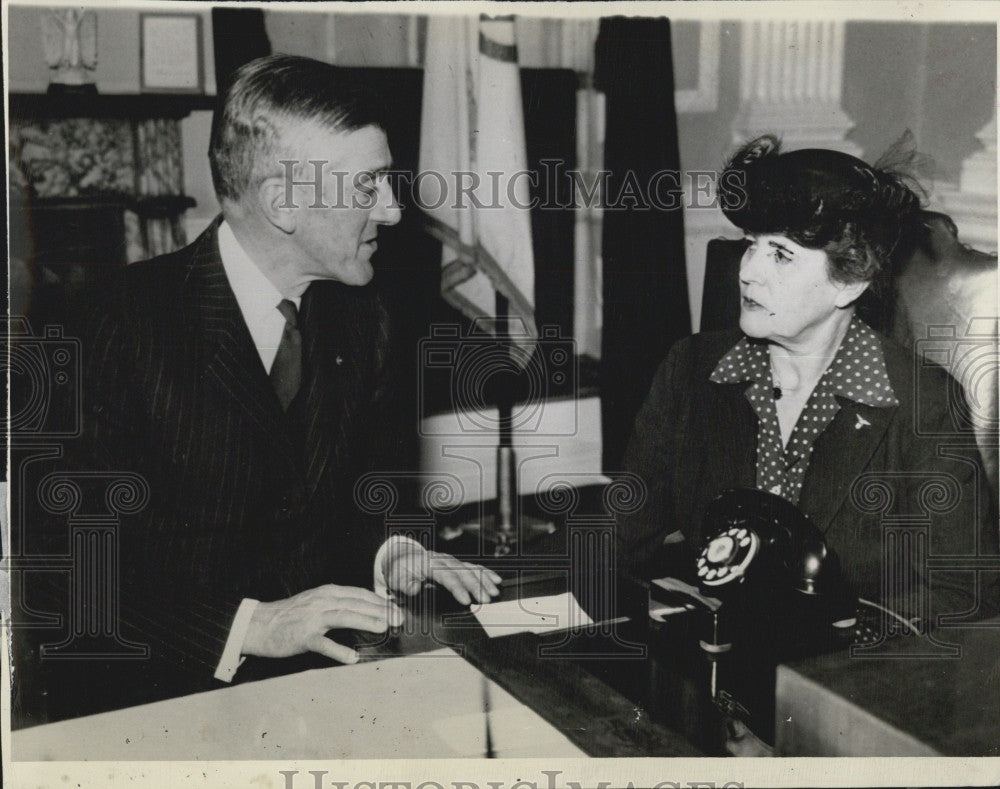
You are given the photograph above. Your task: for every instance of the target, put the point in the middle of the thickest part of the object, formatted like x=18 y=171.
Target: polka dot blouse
x=857 y=373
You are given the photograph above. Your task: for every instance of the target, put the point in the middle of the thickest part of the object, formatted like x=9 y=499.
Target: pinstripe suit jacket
x=174 y=390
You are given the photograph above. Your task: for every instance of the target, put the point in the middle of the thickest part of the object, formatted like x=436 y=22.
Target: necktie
x=286 y=372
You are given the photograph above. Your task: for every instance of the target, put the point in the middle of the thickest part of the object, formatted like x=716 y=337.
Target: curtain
x=239 y=36
x=645 y=284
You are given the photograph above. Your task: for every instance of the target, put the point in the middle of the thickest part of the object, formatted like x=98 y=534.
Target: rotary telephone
x=764 y=588
x=759 y=547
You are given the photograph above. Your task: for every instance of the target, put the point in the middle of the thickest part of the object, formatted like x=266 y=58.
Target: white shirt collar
x=256 y=295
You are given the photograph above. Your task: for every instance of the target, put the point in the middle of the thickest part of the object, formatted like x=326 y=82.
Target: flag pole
x=506 y=459
x=472 y=121
x=509 y=525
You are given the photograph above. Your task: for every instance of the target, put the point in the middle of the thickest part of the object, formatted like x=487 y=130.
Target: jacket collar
x=857 y=372
x=228 y=355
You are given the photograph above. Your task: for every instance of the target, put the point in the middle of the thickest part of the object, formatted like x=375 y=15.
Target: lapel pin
x=862 y=422
x=340 y=360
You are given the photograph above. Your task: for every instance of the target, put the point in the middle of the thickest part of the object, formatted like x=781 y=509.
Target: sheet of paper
x=532 y=615
x=423 y=706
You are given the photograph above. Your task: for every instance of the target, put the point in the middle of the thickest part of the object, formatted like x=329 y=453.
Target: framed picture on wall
x=170 y=53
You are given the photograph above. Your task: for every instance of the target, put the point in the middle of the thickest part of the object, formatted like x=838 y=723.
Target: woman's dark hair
x=865 y=218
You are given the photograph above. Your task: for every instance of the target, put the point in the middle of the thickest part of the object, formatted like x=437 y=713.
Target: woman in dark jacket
x=810 y=404
x=807 y=402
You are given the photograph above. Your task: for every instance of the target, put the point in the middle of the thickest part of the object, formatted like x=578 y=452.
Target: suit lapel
x=840 y=454
x=739 y=443
x=725 y=434
x=331 y=376
x=229 y=356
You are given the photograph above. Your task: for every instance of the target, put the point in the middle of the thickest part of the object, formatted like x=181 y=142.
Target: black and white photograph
x=501 y=395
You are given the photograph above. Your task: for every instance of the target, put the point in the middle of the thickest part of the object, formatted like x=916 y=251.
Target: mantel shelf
x=108 y=105
x=145 y=205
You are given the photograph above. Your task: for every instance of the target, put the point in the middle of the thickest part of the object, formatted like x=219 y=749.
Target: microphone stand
x=504 y=529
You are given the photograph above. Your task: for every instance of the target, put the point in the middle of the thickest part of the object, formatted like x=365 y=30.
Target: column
x=907 y=561
x=591 y=566
x=92 y=612
x=973 y=203
x=790 y=83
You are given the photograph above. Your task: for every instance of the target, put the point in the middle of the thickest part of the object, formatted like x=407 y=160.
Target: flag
x=474 y=185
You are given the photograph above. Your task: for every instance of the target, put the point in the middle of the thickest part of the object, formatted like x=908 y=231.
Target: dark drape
x=645 y=285
x=549 y=97
x=239 y=36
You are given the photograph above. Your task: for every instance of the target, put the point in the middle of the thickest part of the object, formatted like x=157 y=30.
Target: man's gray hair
x=266 y=96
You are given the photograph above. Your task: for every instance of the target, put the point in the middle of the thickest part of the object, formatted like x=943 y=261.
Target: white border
x=588 y=772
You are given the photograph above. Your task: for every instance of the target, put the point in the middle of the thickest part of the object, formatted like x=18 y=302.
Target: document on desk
x=532 y=615
x=432 y=705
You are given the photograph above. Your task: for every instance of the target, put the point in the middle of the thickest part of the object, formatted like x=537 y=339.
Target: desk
x=900 y=703
x=414 y=707
x=414 y=696
x=571 y=702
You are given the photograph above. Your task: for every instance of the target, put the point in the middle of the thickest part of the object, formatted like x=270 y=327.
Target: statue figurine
x=69 y=38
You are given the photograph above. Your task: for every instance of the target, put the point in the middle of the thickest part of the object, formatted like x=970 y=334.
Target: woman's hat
x=811 y=195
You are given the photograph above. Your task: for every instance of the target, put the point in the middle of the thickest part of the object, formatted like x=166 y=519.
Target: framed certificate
x=170 y=53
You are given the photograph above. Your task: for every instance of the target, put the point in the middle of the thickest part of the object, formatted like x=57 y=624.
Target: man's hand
x=299 y=624
x=407 y=565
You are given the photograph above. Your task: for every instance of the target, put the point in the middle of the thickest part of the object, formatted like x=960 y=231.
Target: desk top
x=591 y=698
x=908 y=697
x=414 y=696
x=553 y=676
x=419 y=706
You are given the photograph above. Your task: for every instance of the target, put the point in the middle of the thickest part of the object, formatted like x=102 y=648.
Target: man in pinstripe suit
x=251 y=518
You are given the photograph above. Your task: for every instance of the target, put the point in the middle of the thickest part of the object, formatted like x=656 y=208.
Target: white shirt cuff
x=380 y=586
x=231 y=658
